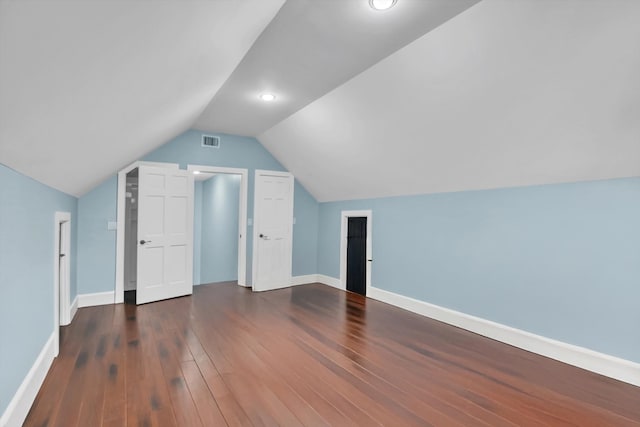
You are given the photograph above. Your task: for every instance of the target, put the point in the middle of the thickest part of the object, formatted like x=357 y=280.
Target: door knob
x=142 y=242
x=262 y=236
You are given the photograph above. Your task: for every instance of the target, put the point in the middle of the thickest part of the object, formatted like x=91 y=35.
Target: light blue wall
x=27 y=230
x=305 y=232
x=561 y=261
x=220 y=210
x=235 y=151
x=96 y=244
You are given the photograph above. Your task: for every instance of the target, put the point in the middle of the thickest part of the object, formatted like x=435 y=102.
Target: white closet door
x=165 y=234
x=273 y=228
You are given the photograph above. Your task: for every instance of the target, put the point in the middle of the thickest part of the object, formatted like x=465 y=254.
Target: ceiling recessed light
x=268 y=97
x=196 y=172
x=381 y=4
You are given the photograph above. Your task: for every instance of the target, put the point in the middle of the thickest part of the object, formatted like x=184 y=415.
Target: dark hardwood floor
x=310 y=355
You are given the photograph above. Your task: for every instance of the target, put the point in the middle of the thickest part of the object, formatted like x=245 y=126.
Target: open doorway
x=131 y=237
x=355 y=251
x=357 y=254
x=62 y=273
x=124 y=204
x=220 y=205
x=216 y=227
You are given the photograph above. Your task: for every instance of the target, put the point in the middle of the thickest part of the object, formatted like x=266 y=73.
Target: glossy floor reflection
x=309 y=355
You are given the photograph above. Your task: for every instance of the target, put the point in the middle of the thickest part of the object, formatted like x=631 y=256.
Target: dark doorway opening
x=357 y=255
x=130 y=297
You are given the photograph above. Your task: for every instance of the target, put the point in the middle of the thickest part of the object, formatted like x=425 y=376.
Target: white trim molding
x=98 y=298
x=304 y=280
x=600 y=363
x=314 y=278
x=344 y=228
x=19 y=407
x=74 y=309
x=330 y=281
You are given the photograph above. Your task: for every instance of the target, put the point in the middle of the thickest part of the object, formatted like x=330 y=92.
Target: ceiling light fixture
x=382 y=4
x=268 y=97
x=196 y=172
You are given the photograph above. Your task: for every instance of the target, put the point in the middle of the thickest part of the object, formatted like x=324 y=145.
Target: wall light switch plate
x=112 y=225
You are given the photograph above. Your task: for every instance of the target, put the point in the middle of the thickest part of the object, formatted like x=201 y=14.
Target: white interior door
x=165 y=234
x=273 y=228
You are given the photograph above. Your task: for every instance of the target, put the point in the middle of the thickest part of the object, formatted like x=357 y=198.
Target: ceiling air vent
x=211 y=141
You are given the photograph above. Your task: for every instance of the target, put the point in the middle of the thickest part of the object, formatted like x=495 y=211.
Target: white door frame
x=256 y=206
x=61 y=291
x=344 y=226
x=242 y=214
x=120 y=218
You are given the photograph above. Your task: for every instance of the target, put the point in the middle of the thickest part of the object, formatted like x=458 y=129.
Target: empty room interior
x=320 y=212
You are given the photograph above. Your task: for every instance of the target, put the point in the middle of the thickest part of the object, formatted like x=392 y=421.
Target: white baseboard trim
x=303 y=280
x=20 y=405
x=330 y=281
x=300 y=280
x=314 y=278
x=99 y=298
x=604 y=364
x=74 y=308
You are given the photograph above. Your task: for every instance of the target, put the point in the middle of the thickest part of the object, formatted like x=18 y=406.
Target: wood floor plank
x=48 y=399
x=263 y=370
x=115 y=398
x=206 y=405
x=402 y=376
x=307 y=355
x=231 y=410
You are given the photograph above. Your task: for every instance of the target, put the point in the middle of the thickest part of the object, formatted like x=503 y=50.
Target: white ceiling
x=310 y=48
x=507 y=93
x=88 y=86
x=497 y=94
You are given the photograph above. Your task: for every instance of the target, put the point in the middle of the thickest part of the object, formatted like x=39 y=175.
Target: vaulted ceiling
x=88 y=86
x=429 y=96
x=507 y=93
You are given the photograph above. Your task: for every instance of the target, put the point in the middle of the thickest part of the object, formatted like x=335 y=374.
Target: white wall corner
x=19 y=407
x=330 y=281
x=600 y=363
x=74 y=308
x=99 y=298
x=303 y=280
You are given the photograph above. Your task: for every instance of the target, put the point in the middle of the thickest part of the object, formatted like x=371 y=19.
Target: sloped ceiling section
x=88 y=86
x=310 y=48
x=507 y=93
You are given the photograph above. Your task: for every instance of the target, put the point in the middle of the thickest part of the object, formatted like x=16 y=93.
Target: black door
x=357 y=255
